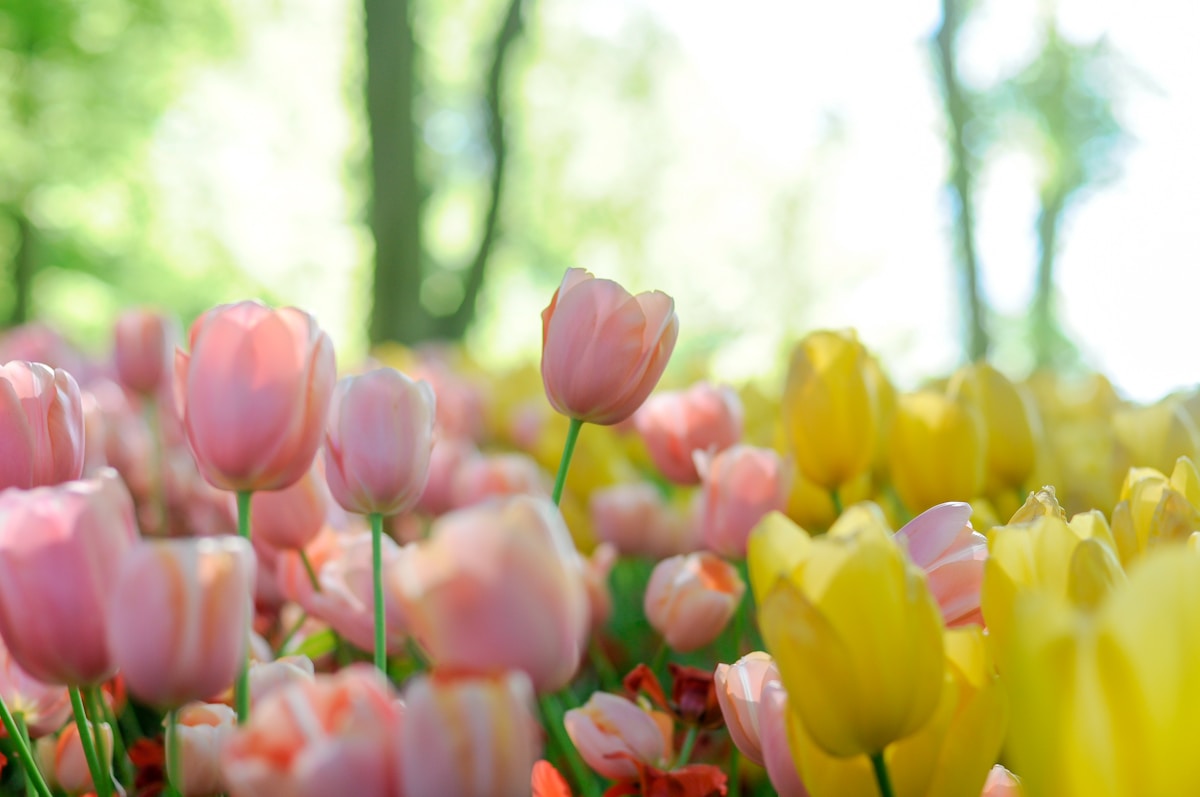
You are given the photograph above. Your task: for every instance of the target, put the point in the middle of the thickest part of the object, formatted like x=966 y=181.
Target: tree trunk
x=24 y=267
x=1047 y=335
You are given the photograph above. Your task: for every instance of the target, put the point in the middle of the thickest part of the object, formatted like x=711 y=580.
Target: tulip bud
x=676 y=424
x=691 y=598
x=937 y=450
x=41 y=424
x=612 y=734
x=143 y=344
x=1008 y=424
x=468 y=736
x=69 y=764
x=199 y=732
x=604 y=350
x=254 y=393
x=742 y=484
x=739 y=691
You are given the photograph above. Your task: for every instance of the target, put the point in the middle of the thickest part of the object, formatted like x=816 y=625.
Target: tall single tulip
x=41 y=425
x=741 y=485
x=378 y=441
x=177 y=617
x=61 y=548
x=468 y=736
x=937 y=450
x=518 y=601
x=604 y=350
x=143 y=342
x=676 y=424
x=691 y=598
x=254 y=393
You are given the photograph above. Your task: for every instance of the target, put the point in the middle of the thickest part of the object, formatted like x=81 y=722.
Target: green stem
x=291 y=632
x=689 y=743
x=308 y=568
x=100 y=776
x=552 y=716
x=174 y=773
x=102 y=712
x=568 y=451
x=377 y=578
x=241 y=690
x=660 y=657
x=881 y=775
x=836 y=498
x=735 y=773
x=15 y=727
x=610 y=679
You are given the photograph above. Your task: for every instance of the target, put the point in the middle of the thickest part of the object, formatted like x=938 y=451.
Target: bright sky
x=828 y=107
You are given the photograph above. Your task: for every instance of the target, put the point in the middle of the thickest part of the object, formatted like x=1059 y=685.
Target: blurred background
x=1015 y=178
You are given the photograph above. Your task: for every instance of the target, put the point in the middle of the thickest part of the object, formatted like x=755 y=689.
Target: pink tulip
x=64 y=764
x=676 y=424
x=254 y=393
x=742 y=485
x=267 y=676
x=941 y=541
x=468 y=736
x=773 y=736
x=604 y=350
x=1001 y=783
x=45 y=707
x=143 y=343
x=691 y=598
x=41 y=426
x=335 y=735
x=342 y=562
x=447 y=456
x=498 y=586
x=293 y=516
x=200 y=731
x=378 y=441
x=61 y=548
x=739 y=691
x=613 y=734
x=635 y=518
x=494 y=475
x=177 y=617
x=37 y=342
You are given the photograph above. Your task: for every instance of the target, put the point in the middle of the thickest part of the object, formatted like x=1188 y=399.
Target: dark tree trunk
x=24 y=267
x=1046 y=332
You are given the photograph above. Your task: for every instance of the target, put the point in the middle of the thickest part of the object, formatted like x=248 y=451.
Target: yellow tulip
x=1154 y=509
x=1106 y=703
x=1009 y=439
x=830 y=410
x=1156 y=435
x=1040 y=502
x=854 y=630
x=936 y=450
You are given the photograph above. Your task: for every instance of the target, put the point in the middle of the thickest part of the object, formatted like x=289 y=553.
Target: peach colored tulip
x=41 y=426
x=1001 y=783
x=254 y=393
x=293 y=516
x=691 y=598
x=447 y=456
x=773 y=736
x=64 y=763
x=143 y=343
x=636 y=519
x=45 y=707
x=177 y=617
x=498 y=586
x=608 y=728
x=468 y=736
x=739 y=691
x=336 y=735
x=61 y=548
x=941 y=542
x=676 y=424
x=378 y=440
x=494 y=475
x=604 y=350
x=200 y=730
x=342 y=561
x=742 y=485
x=267 y=676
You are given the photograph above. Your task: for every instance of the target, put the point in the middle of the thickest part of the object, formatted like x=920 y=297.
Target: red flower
x=694 y=780
x=548 y=781
x=693 y=695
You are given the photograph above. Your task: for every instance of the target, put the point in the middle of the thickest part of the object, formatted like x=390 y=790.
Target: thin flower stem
x=552 y=717
x=568 y=451
x=881 y=775
x=100 y=777
x=377 y=578
x=241 y=690
x=735 y=773
x=308 y=568
x=291 y=632
x=102 y=713
x=15 y=728
x=689 y=743
x=836 y=498
x=173 y=769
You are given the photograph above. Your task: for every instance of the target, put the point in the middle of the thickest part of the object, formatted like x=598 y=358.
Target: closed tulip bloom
x=604 y=350
x=937 y=450
x=614 y=734
x=378 y=441
x=41 y=425
x=67 y=765
x=45 y=707
x=637 y=520
x=1156 y=436
x=941 y=542
x=518 y=601
x=335 y=734
x=739 y=689
x=468 y=736
x=143 y=346
x=61 y=548
x=691 y=598
x=254 y=393
x=200 y=730
x=293 y=516
x=830 y=411
x=881 y=679
x=742 y=484
x=676 y=424
x=177 y=617
x=445 y=459
x=1008 y=424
